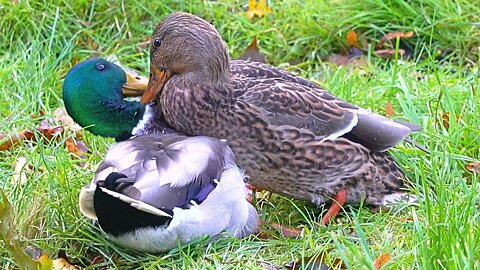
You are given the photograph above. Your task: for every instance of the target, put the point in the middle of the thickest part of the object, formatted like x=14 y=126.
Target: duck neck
x=114 y=118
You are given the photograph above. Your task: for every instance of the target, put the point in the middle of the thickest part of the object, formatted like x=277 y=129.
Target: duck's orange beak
x=158 y=78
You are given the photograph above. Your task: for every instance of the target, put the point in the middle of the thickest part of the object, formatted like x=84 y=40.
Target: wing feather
x=165 y=170
x=283 y=99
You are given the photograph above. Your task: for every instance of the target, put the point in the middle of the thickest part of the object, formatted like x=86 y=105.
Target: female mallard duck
x=156 y=191
x=291 y=136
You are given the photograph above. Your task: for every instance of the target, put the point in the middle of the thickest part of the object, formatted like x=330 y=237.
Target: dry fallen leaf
x=286 y=231
x=7 y=141
x=473 y=167
x=352 y=40
x=446 y=119
x=67 y=121
x=48 y=130
x=381 y=260
x=20 y=255
x=252 y=53
x=389 y=109
x=77 y=148
x=10 y=238
x=389 y=53
x=62 y=264
x=258 y=8
x=393 y=35
x=355 y=57
x=20 y=169
x=406 y=219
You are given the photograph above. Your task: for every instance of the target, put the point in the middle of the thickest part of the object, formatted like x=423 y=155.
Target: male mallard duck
x=291 y=136
x=93 y=93
x=156 y=191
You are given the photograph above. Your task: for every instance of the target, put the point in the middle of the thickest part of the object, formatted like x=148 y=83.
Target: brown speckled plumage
x=291 y=136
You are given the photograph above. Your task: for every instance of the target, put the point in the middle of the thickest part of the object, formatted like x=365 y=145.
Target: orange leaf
x=408 y=218
x=252 y=53
x=49 y=131
x=389 y=109
x=381 y=261
x=7 y=141
x=258 y=8
x=446 y=119
x=284 y=230
x=393 y=35
x=78 y=149
x=352 y=40
x=473 y=167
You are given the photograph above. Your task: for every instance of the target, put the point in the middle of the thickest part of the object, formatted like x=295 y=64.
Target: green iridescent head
x=93 y=93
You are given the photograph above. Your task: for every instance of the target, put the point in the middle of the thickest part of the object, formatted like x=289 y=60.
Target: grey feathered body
x=191 y=185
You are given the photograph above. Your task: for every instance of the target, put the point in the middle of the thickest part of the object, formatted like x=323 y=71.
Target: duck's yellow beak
x=136 y=84
x=158 y=78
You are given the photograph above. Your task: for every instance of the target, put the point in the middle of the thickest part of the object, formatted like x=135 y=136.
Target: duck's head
x=93 y=93
x=186 y=46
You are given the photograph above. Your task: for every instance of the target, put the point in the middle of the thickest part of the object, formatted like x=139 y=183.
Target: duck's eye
x=100 y=66
x=157 y=42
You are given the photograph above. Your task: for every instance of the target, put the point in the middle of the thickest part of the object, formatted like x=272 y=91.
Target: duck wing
x=282 y=99
x=162 y=171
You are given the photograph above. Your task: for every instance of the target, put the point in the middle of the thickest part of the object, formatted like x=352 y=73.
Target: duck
x=153 y=192
x=291 y=136
x=94 y=95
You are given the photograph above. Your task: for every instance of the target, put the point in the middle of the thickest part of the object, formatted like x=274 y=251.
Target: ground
x=437 y=87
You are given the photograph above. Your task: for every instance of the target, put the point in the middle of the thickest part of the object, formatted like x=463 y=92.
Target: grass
x=40 y=41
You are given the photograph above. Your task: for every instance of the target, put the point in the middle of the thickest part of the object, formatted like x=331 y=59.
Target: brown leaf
x=446 y=119
x=8 y=141
x=407 y=219
x=67 y=121
x=355 y=57
x=258 y=8
x=62 y=264
x=381 y=260
x=286 y=231
x=393 y=35
x=389 y=53
x=352 y=40
x=473 y=167
x=252 y=53
x=49 y=131
x=389 y=109
x=78 y=149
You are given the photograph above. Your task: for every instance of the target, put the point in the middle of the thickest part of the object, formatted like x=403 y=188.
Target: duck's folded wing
x=166 y=172
x=283 y=99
